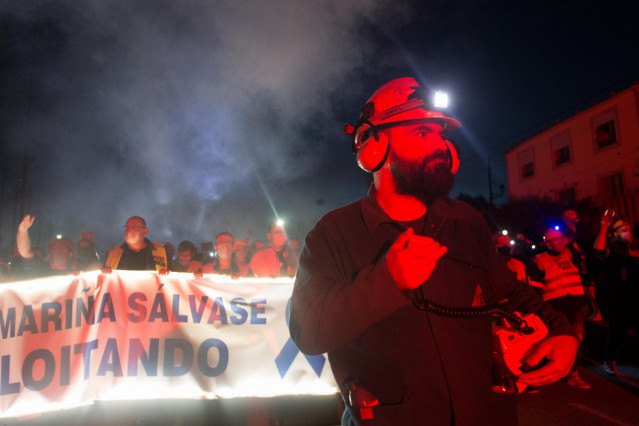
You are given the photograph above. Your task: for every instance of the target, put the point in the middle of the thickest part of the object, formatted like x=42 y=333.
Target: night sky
x=205 y=116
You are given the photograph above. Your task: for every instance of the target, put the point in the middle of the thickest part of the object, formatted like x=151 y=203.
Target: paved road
x=628 y=363
x=610 y=401
x=559 y=404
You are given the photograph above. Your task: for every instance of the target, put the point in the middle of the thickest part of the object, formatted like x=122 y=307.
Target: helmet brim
x=420 y=114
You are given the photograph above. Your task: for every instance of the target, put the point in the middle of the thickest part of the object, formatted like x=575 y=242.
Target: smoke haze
x=176 y=111
x=204 y=116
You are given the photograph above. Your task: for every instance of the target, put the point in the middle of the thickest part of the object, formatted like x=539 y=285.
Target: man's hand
x=412 y=258
x=26 y=223
x=560 y=351
x=22 y=238
x=608 y=217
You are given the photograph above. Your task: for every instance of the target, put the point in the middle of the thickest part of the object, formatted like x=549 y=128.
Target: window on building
x=604 y=129
x=560 y=146
x=612 y=186
x=605 y=134
x=526 y=164
x=562 y=155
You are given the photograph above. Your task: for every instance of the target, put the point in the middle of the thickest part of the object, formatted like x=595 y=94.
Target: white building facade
x=594 y=154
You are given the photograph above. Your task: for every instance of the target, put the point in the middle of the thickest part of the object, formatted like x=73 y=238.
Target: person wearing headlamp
x=365 y=268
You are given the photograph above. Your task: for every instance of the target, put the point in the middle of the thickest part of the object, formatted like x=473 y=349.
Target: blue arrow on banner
x=289 y=351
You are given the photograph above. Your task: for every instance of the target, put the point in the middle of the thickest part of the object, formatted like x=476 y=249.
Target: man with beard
x=367 y=272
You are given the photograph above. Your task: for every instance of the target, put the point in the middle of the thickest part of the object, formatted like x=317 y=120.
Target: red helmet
x=403 y=99
x=397 y=102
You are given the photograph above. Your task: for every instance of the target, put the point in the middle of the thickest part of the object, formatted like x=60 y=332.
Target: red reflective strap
x=363 y=133
x=366 y=413
x=348 y=129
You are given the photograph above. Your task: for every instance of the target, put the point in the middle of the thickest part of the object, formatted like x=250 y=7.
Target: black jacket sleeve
x=330 y=308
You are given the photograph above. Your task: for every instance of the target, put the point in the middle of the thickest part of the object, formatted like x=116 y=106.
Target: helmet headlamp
x=402 y=97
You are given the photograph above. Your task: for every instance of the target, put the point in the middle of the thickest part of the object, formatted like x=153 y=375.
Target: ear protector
x=373 y=152
x=453 y=155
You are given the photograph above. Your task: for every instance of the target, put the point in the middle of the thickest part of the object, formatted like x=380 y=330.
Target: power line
x=562 y=115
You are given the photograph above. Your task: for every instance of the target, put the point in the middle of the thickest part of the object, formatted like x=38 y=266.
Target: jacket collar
x=374 y=215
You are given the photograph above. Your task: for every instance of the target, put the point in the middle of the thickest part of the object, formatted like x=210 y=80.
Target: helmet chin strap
x=381 y=163
x=449 y=156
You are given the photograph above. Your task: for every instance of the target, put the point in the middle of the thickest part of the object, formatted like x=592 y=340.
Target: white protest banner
x=70 y=340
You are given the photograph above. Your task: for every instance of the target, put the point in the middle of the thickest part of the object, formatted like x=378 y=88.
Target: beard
x=418 y=179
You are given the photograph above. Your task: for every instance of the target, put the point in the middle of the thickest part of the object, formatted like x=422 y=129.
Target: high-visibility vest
x=561 y=278
x=159 y=257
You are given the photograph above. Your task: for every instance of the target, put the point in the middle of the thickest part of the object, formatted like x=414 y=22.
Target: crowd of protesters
x=236 y=257
x=581 y=278
x=578 y=277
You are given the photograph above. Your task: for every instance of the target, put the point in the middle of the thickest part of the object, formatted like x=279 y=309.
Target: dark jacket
x=618 y=286
x=423 y=368
x=154 y=257
x=37 y=268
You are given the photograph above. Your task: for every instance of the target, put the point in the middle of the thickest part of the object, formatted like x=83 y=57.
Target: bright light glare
x=280 y=222
x=440 y=99
x=59 y=237
x=504 y=232
x=556 y=227
x=269 y=388
x=533 y=247
x=512 y=242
